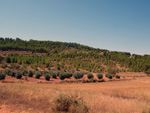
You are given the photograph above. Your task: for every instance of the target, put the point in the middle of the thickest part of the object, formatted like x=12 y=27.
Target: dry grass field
x=130 y=96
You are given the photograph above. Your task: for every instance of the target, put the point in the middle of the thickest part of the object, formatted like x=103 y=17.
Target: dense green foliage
x=90 y=76
x=39 y=46
x=30 y=74
x=19 y=75
x=69 y=74
x=78 y=75
x=109 y=75
x=47 y=77
x=69 y=56
x=37 y=74
x=62 y=75
x=53 y=74
x=2 y=75
x=99 y=75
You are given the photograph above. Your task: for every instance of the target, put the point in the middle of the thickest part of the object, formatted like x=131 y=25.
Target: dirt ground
x=129 y=96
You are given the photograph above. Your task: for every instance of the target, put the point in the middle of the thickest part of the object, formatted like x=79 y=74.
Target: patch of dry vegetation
x=106 y=97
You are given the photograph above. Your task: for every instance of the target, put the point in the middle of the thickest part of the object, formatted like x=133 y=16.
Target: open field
x=132 y=96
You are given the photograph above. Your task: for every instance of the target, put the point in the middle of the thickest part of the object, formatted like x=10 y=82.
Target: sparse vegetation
x=65 y=103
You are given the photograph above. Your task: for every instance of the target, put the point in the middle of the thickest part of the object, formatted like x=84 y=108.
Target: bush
x=108 y=75
x=7 y=71
x=12 y=73
x=19 y=75
x=47 y=77
x=99 y=76
x=58 y=73
x=24 y=72
x=30 y=73
x=69 y=74
x=117 y=76
x=70 y=104
x=54 y=75
x=37 y=74
x=2 y=76
x=62 y=75
x=90 y=76
x=78 y=75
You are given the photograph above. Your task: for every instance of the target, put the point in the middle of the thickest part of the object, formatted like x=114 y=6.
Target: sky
x=116 y=25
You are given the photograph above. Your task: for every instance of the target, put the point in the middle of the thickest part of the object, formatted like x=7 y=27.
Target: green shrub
x=62 y=75
x=37 y=74
x=108 y=75
x=54 y=75
x=19 y=75
x=90 y=76
x=7 y=71
x=24 y=72
x=78 y=75
x=70 y=104
x=2 y=75
x=30 y=73
x=45 y=72
x=69 y=74
x=47 y=77
x=58 y=73
x=117 y=76
x=99 y=76
x=12 y=73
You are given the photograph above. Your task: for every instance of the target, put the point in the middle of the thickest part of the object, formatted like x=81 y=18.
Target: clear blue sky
x=118 y=25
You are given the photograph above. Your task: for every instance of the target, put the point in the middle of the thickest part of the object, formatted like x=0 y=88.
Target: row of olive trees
x=50 y=74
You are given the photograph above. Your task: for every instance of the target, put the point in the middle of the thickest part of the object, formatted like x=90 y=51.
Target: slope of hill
x=68 y=56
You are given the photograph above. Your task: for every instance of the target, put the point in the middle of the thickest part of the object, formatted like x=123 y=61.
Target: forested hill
x=69 y=56
x=40 y=46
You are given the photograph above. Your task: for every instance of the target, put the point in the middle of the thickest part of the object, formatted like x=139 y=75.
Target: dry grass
x=106 y=97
